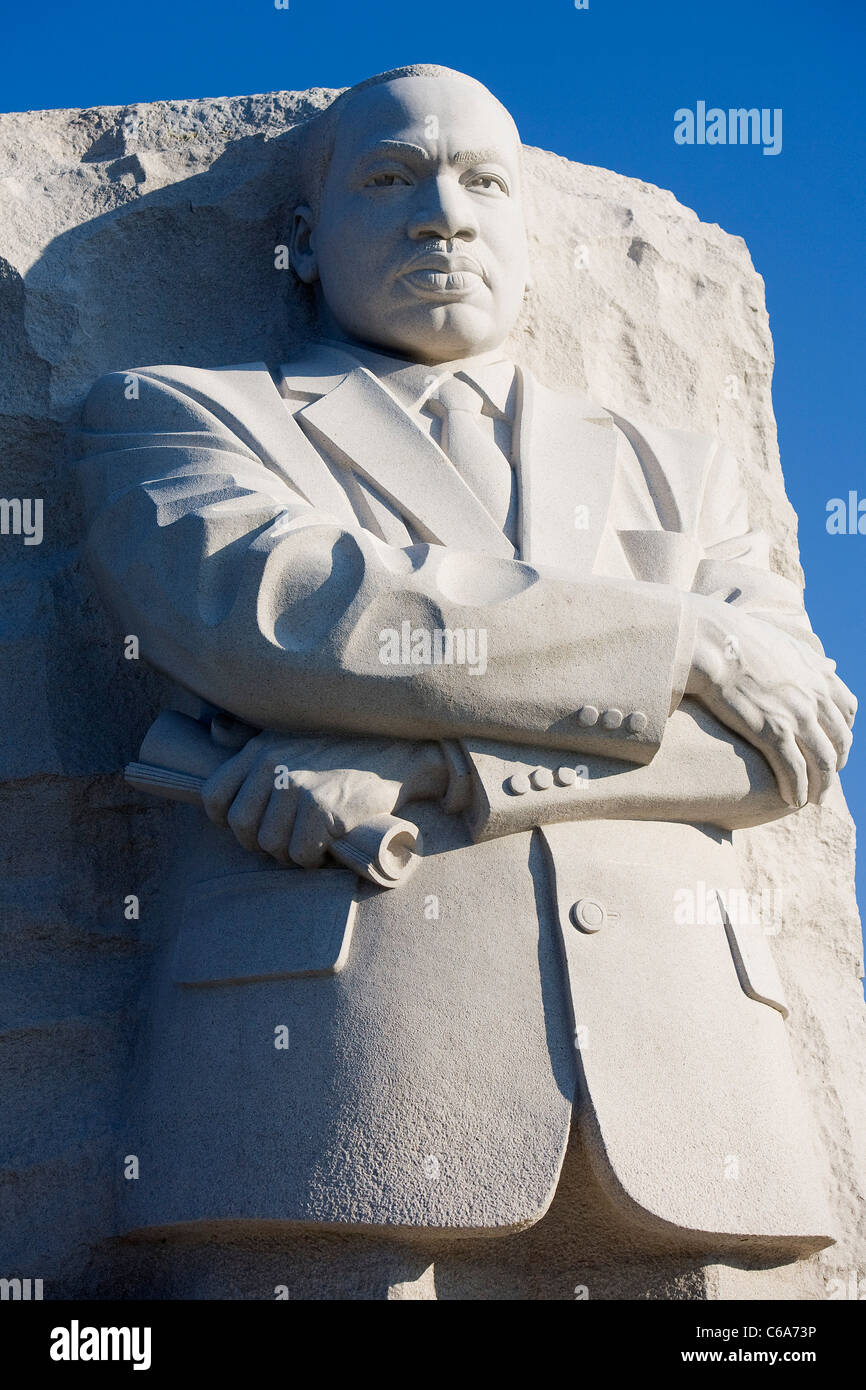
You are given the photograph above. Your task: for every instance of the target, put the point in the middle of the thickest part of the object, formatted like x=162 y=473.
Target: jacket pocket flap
x=266 y=925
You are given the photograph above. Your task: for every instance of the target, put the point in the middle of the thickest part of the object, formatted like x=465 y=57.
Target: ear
x=302 y=254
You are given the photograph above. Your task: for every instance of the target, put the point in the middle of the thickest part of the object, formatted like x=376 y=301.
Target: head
x=413 y=230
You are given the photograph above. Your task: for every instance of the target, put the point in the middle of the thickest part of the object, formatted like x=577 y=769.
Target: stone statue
x=406 y=581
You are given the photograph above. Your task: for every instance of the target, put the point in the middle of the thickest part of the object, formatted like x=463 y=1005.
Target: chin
x=445 y=332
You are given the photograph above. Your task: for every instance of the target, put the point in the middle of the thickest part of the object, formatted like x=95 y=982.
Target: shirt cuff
x=685 y=650
x=458 y=793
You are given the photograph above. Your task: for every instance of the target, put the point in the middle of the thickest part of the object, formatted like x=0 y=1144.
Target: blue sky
x=599 y=85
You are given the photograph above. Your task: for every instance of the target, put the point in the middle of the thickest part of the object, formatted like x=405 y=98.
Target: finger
x=221 y=788
x=246 y=811
x=278 y=822
x=773 y=738
x=836 y=728
x=843 y=698
x=779 y=747
x=312 y=834
x=785 y=757
x=820 y=756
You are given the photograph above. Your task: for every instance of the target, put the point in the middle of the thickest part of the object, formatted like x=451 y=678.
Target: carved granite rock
x=108 y=216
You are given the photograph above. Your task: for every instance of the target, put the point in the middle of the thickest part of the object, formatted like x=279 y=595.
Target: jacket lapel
x=566 y=456
x=248 y=403
x=366 y=429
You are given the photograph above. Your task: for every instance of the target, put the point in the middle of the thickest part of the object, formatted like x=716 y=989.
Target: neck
x=333 y=335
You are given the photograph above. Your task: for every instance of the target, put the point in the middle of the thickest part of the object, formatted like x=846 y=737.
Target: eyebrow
x=477 y=157
x=461 y=158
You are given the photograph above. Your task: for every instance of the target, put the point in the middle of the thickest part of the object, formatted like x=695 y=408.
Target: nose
x=443 y=213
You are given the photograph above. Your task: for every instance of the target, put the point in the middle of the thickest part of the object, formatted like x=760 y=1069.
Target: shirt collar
x=413 y=383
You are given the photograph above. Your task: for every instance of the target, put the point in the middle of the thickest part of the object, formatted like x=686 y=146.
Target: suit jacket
x=258 y=531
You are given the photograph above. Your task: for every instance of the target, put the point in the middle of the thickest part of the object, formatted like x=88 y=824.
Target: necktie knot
x=454 y=394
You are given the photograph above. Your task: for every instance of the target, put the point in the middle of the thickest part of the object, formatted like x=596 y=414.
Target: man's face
x=420 y=245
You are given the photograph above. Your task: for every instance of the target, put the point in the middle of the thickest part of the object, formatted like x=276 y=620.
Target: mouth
x=441 y=276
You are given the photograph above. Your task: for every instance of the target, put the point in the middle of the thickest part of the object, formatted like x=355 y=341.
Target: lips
x=441 y=274
x=457 y=281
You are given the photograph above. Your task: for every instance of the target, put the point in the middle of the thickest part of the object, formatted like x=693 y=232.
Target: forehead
x=460 y=115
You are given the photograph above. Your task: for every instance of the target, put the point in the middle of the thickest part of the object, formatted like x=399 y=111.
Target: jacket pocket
x=266 y=925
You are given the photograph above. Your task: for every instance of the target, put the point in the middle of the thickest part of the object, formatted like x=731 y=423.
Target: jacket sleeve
x=702 y=773
x=735 y=559
x=291 y=618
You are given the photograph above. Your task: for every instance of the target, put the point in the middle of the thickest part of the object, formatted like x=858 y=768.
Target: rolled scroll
x=178 y=755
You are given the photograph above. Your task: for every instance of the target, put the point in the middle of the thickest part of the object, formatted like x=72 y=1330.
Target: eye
x=386 y=180
x=486 y=183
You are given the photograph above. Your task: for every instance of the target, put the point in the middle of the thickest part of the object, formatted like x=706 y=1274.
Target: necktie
x=477 y=458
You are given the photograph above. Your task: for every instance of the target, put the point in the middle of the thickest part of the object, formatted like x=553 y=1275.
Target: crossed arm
x=701 y=774
x=242 y=591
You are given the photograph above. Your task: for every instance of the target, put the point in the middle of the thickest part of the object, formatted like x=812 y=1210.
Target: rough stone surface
x=147 y=234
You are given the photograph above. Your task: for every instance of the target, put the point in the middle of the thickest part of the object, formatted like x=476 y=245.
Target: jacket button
x=517 y=784
x=541 y=779
x=565 y=776
x=587 y=716
x=611 y=719
x=588 y=915
x=637 y=722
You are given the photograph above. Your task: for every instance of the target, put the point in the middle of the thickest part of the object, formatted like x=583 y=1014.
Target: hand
x=293 y=796
x=777 y=693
